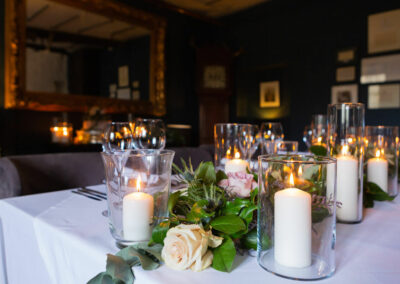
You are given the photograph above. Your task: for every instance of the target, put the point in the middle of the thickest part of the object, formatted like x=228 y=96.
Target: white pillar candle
x=378 y=171
x=292 y=227
x=330 y=181
x=137 y=215
x=347 y=188
x=236 y=165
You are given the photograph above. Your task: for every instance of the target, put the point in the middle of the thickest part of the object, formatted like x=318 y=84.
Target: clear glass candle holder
x=346 y=143
x=138 y=183
x=281 y=147
x=296 y=216
x=233 y=144
x=319 y=126
x=381 y=157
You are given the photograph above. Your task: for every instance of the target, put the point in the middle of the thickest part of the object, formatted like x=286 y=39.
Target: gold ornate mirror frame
x=16 y=95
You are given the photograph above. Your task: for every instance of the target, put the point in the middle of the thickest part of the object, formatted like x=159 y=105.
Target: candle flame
x=345 y=150
x=291 y=179
x=138 y=183
x=237 y=155
x=319 y=140
x=300 y=172
x=378 y=153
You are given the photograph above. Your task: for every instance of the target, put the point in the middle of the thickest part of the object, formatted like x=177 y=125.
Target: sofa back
x=29 y=174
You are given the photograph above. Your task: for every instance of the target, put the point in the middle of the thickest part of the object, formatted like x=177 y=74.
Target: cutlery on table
x=93 y=192
x=86 y=195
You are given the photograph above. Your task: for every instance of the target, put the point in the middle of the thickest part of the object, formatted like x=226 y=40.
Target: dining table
x=61 y=237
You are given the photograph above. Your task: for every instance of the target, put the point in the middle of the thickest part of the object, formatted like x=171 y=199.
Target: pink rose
x=239 y=184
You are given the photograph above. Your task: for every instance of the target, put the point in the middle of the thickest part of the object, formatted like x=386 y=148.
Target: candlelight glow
x=300 y=172
x=138 y=183
x=345 y=150
x=291 y=179
x=319 y=140
x=378 y=153
x=237 y=155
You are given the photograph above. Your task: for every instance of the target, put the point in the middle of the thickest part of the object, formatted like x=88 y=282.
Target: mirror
x=69 y=55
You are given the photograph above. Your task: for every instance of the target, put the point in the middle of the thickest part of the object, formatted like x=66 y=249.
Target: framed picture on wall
x=344 y=94
x=269 y=94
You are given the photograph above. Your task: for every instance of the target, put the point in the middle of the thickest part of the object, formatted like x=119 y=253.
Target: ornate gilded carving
x=17 y=97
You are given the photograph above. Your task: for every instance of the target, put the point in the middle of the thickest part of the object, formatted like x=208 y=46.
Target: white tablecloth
x=61 y=237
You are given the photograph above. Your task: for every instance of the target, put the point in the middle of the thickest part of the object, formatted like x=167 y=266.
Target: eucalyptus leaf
x=309 y=171
x=249 y=241
x=228 y=224
x=102 y=278
x=224 y=255
x=119 y=269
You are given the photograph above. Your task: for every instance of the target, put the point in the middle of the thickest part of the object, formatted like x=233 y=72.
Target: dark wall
x=296 y=42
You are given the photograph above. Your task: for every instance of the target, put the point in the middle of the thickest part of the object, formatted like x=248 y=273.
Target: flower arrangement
x=210 y=221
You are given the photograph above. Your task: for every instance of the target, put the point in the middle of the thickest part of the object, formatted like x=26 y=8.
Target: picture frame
x=269 y=94
x=344 y=94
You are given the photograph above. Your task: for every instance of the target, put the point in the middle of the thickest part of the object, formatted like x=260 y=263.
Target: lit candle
x=236 y=164
x=137 y=215
x=347 y=186
x=378 y=171
x=292 y=227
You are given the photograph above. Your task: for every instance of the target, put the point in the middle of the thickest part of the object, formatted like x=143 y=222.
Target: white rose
x=187 y=246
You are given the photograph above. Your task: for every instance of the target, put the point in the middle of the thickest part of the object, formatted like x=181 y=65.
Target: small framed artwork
x=384 y=96
x=347 y=55
x=344 y=94
x=269 y=94
x=345 y=74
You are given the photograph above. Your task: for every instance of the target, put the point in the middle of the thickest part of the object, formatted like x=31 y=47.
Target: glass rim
x=118 y=122
x=270 y=158
x=143 y=153
x=272 y=122
x=148 y=119
x=381 y=127
x=232 y=124
x=347 y=104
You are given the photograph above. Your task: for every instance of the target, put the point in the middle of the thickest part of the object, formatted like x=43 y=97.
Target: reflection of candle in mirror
x=236 y=164
x=378 y=170
x=292 y=227
x=347 y=186
x=137 y=214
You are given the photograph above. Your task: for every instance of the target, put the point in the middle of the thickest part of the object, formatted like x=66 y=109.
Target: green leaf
x=253 y=195
x=198 y=212
x=224 y=255
x=160 y=232
x=249 y=241
x=173 y=198
x=119 y=269
x=247 y=214
x=101 y=278
x=149 y=257
x=319 y=214
x=228 y=224
x=206 y=173
x=234 y=207
x=318 y=150
x=220 y=176
x=377 y=193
